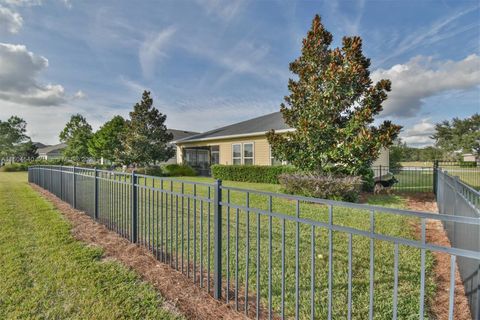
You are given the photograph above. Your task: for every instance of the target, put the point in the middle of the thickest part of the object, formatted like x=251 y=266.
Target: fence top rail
x=206 y=184
x=380 y=209
x=460 y=182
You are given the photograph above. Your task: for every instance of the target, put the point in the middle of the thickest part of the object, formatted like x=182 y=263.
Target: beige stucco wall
x=261 y=150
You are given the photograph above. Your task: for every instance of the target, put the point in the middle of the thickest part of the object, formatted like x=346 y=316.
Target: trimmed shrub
x=247 y=173
x=15 y=167
x=468 y=164
x=342 y=188
x=177 y=170
x=368 y=179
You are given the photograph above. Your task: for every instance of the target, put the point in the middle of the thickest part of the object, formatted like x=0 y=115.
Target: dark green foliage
x=459 y=134
x=146 y=140
x=179 y=170
x=75 y=135
x=468 y=164
x=342 y=188
x=27 y=150
x=258 y=174
x=14 y=143
x=368 y=180
x=332 y=105
x=15 y=167
x=399 y=152
x=107 y=141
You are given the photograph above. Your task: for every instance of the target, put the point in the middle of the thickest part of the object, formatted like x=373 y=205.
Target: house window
x=243 y=153
x=248 y=153
x=274 y=161
x=215 y=154
x=236 y=153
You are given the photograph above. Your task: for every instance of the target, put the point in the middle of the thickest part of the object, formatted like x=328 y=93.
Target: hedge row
x=244 y=173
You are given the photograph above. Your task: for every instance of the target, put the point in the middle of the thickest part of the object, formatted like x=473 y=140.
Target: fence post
x=74 y=189
x=61 y=182
x=217 y=214
x=435 y=176
x=95 y=209
x=134 y=208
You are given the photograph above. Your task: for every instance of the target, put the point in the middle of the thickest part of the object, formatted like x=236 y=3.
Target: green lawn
x=409 y=274
x=47 y=274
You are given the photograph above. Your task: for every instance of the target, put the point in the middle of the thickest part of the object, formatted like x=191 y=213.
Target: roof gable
x=258 y=125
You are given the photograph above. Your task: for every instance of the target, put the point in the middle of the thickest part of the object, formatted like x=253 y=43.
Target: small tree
x=107 y=141
x=75 y=135
x=332 y=106
x=12 y=136
x=146 y=139
x=27 y=150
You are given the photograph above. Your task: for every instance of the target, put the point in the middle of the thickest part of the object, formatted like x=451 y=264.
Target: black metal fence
x=269 y=254
x=423 y=179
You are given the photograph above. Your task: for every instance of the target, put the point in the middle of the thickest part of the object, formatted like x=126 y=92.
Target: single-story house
x=51 y=152
x=239 y=143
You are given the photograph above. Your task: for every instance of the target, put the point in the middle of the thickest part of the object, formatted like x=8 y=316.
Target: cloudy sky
x=210 y=62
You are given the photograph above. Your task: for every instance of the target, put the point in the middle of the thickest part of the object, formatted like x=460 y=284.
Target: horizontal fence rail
x=271 y=255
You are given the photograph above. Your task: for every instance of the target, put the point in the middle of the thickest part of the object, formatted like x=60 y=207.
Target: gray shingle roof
x=256 y=125
x=181 y=134
x=56 y=149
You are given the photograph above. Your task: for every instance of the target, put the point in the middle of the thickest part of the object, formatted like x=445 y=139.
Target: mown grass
x=178 y=211
x=47 y=274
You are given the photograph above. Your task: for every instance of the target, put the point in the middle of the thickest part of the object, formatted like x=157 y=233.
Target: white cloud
x=22 y=3
x=153 y=49
x=225 y=10
x=19 y=69
x=419 y=134
x=10 y=21
x=79 y=95
x=422 y=77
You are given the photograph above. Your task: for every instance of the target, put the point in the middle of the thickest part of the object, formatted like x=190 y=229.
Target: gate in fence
x=271 y=255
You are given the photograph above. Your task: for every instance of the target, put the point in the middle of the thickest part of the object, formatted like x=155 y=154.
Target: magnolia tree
x=332 y=105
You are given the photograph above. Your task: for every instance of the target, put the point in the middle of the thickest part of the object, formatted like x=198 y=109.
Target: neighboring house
x=240 y=143
x=51 y=152
x=178 y=135
x=470 y=157
x=39 y=145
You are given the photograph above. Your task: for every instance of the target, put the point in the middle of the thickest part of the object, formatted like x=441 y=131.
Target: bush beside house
x=243 y=173
x=343 y=188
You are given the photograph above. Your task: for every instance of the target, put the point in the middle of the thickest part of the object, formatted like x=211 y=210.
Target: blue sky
x=209 y=63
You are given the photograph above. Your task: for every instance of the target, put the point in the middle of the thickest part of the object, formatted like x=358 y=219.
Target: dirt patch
x=437 y=235
x=179 y=291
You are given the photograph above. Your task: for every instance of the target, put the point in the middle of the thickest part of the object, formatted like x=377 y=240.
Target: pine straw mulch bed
x=437 y=235
x=179 y=291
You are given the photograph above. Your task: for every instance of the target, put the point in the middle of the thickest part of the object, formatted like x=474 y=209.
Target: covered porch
x=201 y=158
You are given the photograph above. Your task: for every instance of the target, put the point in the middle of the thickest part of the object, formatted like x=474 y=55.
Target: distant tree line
x=141 y=140
x=452 y=140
